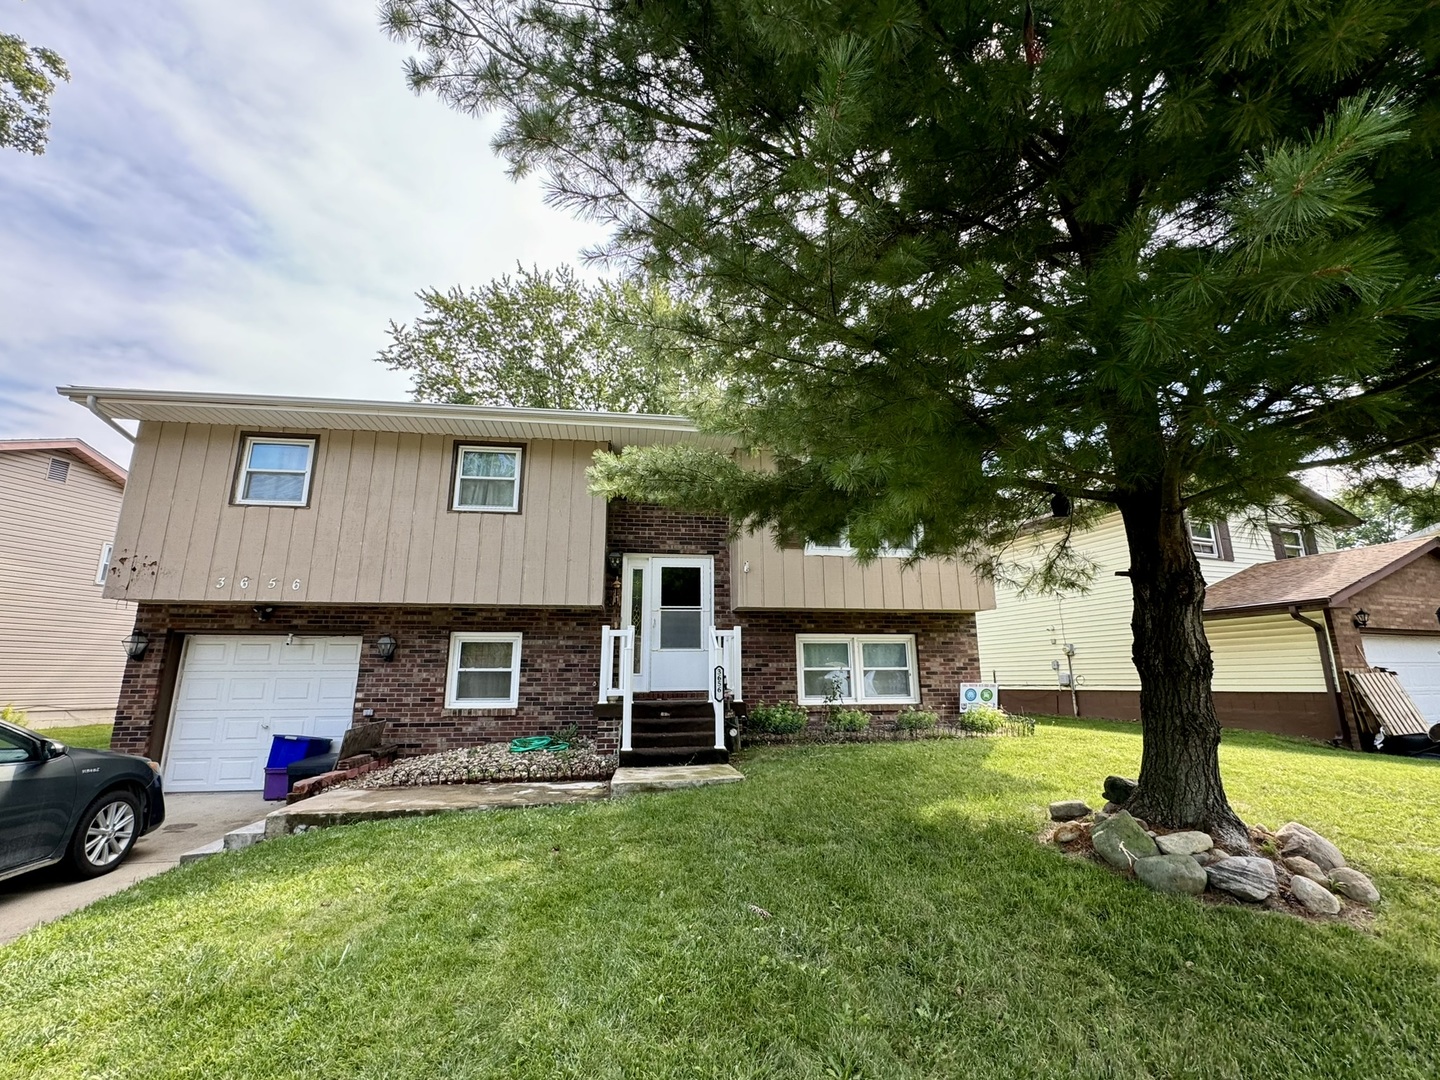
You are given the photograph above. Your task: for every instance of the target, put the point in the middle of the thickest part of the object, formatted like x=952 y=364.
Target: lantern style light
x=1361 y=619
x=385 y=645
x=135 y=644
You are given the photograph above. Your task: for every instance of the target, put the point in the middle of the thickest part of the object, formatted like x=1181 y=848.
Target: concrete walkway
x=632 y=781
x=349 y=805
x=190 y=820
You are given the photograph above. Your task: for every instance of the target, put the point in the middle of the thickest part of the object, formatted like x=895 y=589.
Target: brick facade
x=559 y=669
x=559 y=657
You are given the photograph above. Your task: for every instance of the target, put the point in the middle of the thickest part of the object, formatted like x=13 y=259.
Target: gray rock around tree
x=1214 y=855
x=1295 y=840
x=1118 y=789
x=1120 y=840
x=1184 y=843
x=1248 y=877
x=1355 y=885
x=1068 y=833
x=1068 y=810
x=1303 y=867
x=1172 y=874
x=1315 y=899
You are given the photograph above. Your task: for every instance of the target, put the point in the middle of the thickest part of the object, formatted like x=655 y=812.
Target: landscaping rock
x=1111 y=808
x=1118 y=789
x=1303 y=867
x=1068 y=810
x=1316 y=899
x=494 y=761
x=1214 y=855
x=1068 y=833
x=1184 y=843
x=1295 y=839
x=1245 y=876
x=1172 y=874
x=1355 y=885
x=1120 y=839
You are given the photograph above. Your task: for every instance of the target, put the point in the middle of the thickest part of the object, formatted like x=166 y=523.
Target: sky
x=238 y=197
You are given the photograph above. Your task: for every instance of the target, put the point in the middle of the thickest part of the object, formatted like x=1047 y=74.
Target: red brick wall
x=641 y=529
x=559 y=669
x=1305 y=714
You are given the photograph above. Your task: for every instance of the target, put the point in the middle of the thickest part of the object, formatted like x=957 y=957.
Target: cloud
x=238 y=197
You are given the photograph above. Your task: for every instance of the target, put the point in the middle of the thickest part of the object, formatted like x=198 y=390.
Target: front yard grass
x=88 y=736
x=914 y=929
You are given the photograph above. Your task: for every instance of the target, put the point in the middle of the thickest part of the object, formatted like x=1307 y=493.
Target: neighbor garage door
x=237 y=692
x=1415 y=659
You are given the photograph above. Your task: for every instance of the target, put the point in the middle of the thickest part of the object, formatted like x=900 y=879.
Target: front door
x=676 y=594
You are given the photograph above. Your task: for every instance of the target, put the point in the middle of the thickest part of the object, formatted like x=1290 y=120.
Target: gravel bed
x=479 y=764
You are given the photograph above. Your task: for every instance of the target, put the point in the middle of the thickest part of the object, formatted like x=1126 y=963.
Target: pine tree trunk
x=1179 y=766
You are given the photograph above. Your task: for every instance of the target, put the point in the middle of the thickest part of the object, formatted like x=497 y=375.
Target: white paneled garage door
x=236 y=692
x=1415 y=659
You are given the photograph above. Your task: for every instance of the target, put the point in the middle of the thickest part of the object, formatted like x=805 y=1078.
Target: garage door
x=1415 y=659
x=237 y=692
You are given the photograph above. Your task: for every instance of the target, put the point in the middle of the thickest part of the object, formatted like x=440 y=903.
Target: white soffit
x=264 y=412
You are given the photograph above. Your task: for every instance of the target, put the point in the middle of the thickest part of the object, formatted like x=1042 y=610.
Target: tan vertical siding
x=379 y=528
x=59 y=636
x=788 y=578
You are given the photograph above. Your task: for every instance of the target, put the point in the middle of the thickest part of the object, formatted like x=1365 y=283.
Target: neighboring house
x=1269 y=670
x=1379 y=607
x=303 y=564
x=60 y=652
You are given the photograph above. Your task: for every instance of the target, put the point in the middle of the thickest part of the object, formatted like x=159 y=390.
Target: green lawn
x=916 y=931
x=90 y=736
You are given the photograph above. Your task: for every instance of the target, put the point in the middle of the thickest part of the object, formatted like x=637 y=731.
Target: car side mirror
x=49 y=748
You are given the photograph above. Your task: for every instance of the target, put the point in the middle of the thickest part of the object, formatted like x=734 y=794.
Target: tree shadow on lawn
x=881 y=907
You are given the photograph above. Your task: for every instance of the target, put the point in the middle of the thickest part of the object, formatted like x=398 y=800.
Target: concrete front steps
x=669 y=731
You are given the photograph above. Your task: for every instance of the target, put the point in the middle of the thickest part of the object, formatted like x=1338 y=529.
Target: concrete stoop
x=632 y=781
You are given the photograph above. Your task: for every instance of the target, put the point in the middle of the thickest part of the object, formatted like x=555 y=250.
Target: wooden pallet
x=1384 y=704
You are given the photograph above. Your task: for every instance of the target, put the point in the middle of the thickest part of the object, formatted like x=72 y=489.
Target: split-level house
x=300 y=565
x=60 y=658
x=1275 y=663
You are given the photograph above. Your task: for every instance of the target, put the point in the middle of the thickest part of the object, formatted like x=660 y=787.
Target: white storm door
x=236 y=691
x=681 y=591
x=1415 y=659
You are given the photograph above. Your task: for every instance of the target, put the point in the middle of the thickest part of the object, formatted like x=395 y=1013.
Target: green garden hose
x=537 y=742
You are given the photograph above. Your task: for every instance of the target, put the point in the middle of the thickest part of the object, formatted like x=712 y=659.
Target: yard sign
x=978 y=693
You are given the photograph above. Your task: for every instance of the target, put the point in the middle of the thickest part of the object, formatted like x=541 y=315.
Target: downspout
x=1322 y=638
x=93 y=406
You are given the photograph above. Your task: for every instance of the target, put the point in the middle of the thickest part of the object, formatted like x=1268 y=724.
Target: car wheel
x=107 y=831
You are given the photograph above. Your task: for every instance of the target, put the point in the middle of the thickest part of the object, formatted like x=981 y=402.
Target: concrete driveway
x=191 y=821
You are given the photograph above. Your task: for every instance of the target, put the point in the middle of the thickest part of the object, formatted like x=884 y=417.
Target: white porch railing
x=724 y=676
x=617 y=680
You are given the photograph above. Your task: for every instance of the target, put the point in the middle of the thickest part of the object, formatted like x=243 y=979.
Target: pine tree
x=968 y=263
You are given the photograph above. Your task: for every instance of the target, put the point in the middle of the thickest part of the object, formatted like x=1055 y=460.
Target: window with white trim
x=1294 y=542
x=1205 y=539
x=484 y=671
x=487 y=478
x=842 y=547
x=275 y=471
x=103 y=569
x=856 y=669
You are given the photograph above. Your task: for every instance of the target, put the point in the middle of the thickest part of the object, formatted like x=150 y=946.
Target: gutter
x=94 y=406
x=1322 y=638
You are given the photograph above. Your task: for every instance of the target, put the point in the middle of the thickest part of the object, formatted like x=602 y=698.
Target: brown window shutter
x=1278 y=541
x=789 y=538
x=1308 y=539
x=1222 y=541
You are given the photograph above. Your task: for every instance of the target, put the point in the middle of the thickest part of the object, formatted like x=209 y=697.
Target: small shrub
x=916 y=720
x=782 y=718
x=568 y=732
x=984 y=719
x=12 y=715
x=848 y=720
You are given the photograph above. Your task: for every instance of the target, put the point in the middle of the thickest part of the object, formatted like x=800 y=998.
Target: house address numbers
x=244 y=583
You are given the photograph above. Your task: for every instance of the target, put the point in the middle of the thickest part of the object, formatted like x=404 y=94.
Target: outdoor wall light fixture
x=1361 y=619
x=385 y=646
x=263 y=611
x=1437 y=614
x=136 y=644
x=614 y=562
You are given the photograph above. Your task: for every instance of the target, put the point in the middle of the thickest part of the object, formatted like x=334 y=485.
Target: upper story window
x=1293 y=542
x=275 y=471
x=1205 y=539
x=104 y=566
x=487 y=478
x=904 y=551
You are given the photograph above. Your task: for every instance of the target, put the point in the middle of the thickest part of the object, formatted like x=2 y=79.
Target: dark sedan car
x=63 y=804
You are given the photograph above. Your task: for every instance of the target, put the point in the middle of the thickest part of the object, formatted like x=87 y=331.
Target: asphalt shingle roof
x=1314 y=579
